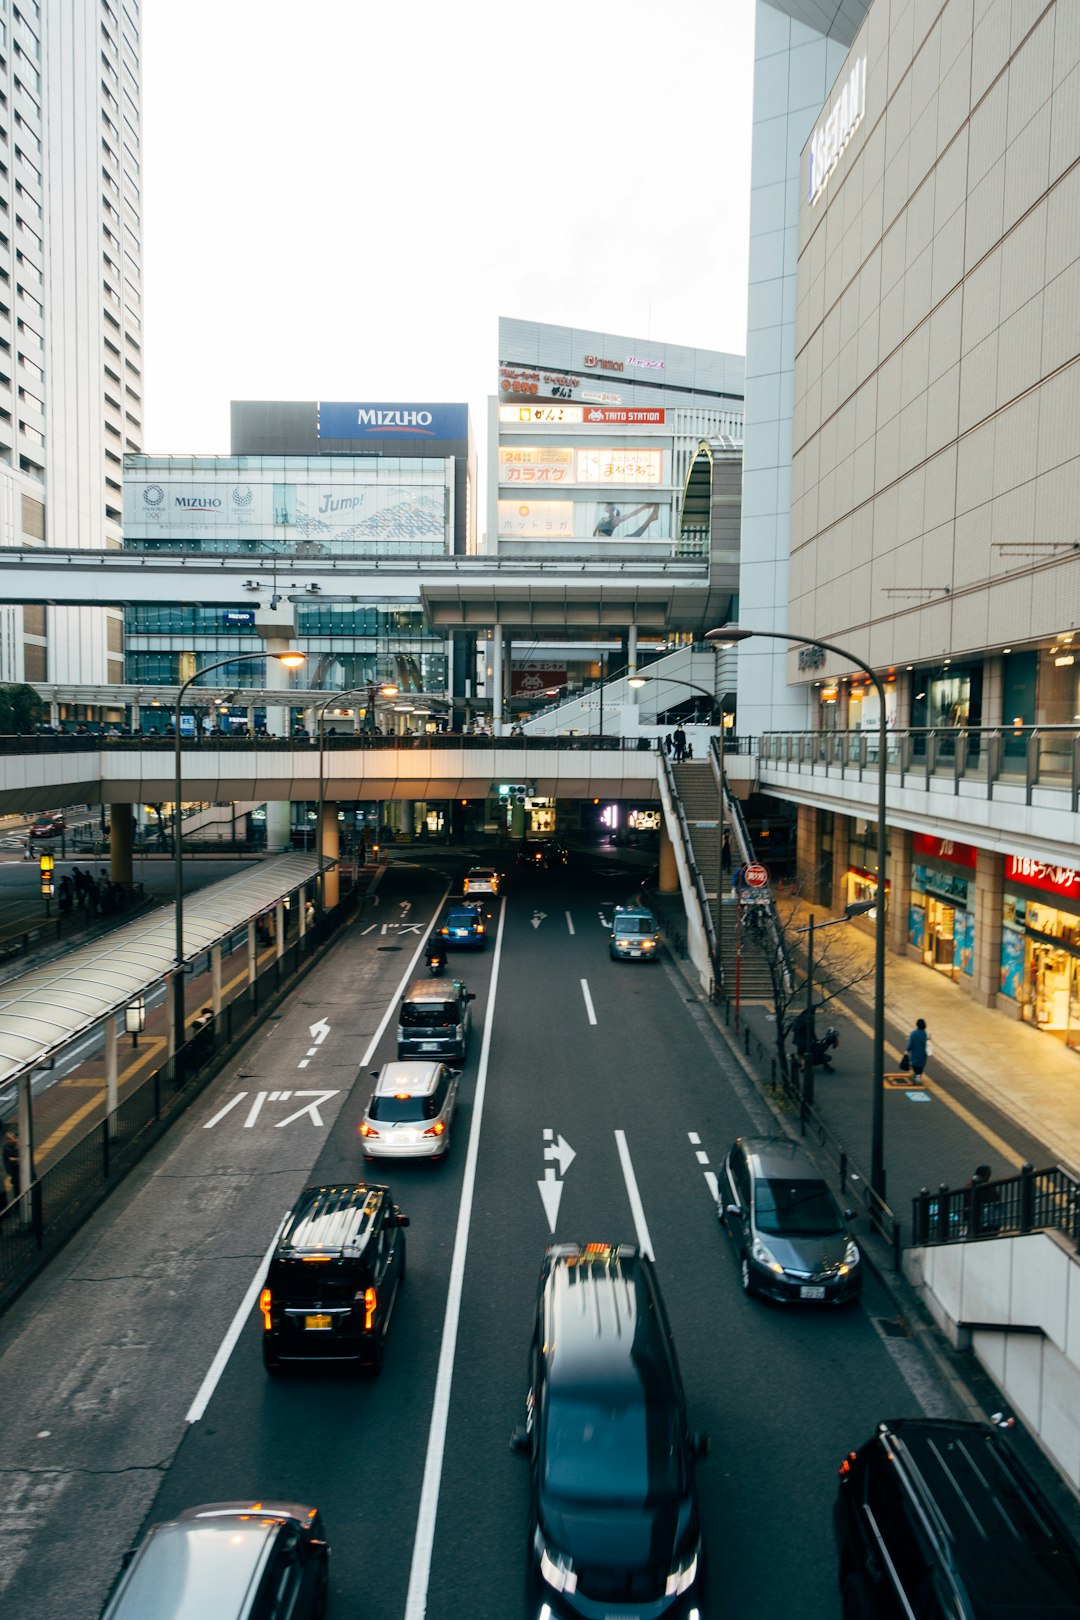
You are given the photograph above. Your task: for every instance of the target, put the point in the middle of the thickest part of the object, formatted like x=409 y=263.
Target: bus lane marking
x=589 y=1008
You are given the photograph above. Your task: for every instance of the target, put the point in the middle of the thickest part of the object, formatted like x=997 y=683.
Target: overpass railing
x=1031 y=1201
x=92 y=742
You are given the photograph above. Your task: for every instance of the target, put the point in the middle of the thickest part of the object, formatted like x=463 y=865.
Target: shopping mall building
x=912 y=470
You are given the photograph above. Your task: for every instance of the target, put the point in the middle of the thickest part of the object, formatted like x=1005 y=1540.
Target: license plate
x=811 y=1293
x=635 y=953
x=318 y=1324
x=428 y=1046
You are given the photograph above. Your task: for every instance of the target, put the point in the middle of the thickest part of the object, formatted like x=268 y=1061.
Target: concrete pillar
x=135 y=721
x=993 y=692
x=989 y=899
x=25 y=1118
x=517 y=820
x=408 y=818
x=110 y=1066
x=54 y=714
x=497 y=682
x=669 y=870
x=215 y=978
x=252 y=954
x=250 y=712
x=278 y=812
x=121 y=843
x=170 y=1021
x=631 y=661
x=279 y=929
x=841 y=849
x=896 y=925
x=301 y=920
x=330 y=849
x=808 y=853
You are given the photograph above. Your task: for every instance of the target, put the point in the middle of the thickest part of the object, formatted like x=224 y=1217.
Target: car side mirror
x=733 y=1209
x=699 y=1444
x=851 y=1214
x=402 y=1220
x=128 y=1556
x=374 y=1074
x=470 y=995
x=455 y=1074
x=519 y=1439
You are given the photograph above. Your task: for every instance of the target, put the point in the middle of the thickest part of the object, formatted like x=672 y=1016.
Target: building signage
x=559 y=464
x=532 y=677
x=518 y=381
x=594 y=415
x=943 y=849
x=596 y=362
x=648 y=365
x=811 y=657
x=192 y=507
x=610 y=465
x=1042 y=875
x=552 y=414
x=631 y=417
x=584 y=520
x=391 y=421
x=237 y=618
x=547 y=464
x=831 y=137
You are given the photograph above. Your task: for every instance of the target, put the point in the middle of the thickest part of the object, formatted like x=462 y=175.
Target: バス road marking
x=569 y=922
x=236 y=1326
x=588 y=1001
x=636 y=1207
x=420 y=1571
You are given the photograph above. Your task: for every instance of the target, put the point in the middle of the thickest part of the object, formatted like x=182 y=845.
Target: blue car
x=464 y=927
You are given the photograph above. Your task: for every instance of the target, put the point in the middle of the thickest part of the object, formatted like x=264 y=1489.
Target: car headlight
x=555 y=1567
x=764 y=1256
x=682 y=1576
x=851 y=1256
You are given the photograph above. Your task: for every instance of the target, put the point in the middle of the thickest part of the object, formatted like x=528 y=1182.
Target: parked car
x=232 y=1560
x=614 y=1532
x=410 y=1111
x=939 y=1517
x=789 y=1234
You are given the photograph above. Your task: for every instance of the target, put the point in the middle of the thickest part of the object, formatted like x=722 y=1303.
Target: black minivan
x=614 y=1528
x=334 y=1277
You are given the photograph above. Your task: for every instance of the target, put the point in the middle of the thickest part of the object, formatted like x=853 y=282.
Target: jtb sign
x=830 y=138
x=388 y=421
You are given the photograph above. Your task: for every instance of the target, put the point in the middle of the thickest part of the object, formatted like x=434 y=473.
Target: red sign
x=1042 y=875
x=641 y=415
x=533 y=678
x=943 y=849
x=756 y=876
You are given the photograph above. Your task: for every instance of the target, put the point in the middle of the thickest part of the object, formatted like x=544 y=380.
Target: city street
x=593 y=1080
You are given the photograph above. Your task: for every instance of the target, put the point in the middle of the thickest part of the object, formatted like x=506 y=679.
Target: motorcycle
x=820 y=1049
x=436 y=960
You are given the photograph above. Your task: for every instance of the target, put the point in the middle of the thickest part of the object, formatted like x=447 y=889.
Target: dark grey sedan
x=789 y=1233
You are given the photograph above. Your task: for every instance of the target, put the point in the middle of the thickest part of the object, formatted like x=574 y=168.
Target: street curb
x=910 y=1310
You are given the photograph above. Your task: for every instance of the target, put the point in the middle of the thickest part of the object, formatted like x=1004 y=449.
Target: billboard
x=153 y=505
x=576 y=465
x=532 y=677
x=390 y=422
x=585 y=520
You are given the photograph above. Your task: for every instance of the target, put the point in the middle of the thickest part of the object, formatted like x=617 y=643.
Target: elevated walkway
x=616 y=708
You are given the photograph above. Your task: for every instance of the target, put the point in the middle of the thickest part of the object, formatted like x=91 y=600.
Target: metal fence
x=34 y=1225
x=1033 y=1201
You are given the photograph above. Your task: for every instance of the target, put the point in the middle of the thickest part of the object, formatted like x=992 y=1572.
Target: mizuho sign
x=830 y=138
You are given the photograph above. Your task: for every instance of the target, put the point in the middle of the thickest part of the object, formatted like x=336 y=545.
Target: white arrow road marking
x=319 y=1031
x=604 y=923
x=551 y=1193
x=560 y=1150
x=569 y=922
x=240 y=1095
x=405 y=907
x=636 y=1207
x=588 y=1001
x=311 y=1108
x=538 y=917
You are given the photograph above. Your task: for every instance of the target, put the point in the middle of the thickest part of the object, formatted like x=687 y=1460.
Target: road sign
x=756 y=876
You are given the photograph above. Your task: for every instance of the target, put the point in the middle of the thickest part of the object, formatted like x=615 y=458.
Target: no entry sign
x=756 y=876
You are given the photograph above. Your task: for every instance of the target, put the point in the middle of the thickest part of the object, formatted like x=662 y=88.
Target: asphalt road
x=102 y=1361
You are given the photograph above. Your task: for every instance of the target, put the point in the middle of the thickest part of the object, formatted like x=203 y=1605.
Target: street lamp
x=639 y=681
x=728 y=636
x=289 y=660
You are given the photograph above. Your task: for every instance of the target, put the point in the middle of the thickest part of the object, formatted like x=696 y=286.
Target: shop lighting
x=1064 y=661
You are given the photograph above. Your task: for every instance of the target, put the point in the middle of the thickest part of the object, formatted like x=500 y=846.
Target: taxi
x=481 y=880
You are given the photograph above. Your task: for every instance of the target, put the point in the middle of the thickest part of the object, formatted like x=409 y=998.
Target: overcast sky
x=341 y=198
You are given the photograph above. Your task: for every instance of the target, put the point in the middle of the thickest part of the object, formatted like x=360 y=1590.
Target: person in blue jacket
x=918 y=1046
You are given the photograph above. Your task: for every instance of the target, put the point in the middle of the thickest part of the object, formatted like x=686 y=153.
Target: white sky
x=342 y=197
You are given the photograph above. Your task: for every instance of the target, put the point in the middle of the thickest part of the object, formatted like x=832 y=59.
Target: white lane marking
x=713 y=1185
x=255 y=1110
x=311 y=1108
x=693 y=1138
x=420 y=1571
x=400 y=991
x=636 y=1207
x=225 y=1348
x=701 y=1156
x=569 y=922
x=240 y=1095
x=588 y=1001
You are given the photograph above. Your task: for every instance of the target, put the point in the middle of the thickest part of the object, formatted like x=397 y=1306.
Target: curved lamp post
x=290 y=660
x=372 y=689
x=728 y=635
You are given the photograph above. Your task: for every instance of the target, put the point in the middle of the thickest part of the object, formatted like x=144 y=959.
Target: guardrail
x=707 y=918
x=1032 y=1201
x=161 y=742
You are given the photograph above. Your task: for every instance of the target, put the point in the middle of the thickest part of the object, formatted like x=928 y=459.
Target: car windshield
x=600 y=1449
x=428 y=1014
x=633 y=925
x=462 y=919
x=796 y=1209
x=401 y=1110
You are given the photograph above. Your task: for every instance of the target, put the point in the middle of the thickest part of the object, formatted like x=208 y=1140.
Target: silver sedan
x=410 y=1111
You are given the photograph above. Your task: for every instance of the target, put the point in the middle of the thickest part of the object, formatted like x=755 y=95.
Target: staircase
x=695 y=781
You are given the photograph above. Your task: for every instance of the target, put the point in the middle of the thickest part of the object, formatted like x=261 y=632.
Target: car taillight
x=845 y=1466
x=370 y=1303
x=435 y=1130
x=264 y=1306
x=479 y=928
x=368 y=1130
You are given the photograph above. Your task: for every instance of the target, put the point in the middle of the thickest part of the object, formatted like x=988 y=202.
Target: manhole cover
x=388 y=947
x=893 y=1327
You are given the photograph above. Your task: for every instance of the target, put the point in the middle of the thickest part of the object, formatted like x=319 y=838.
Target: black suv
x=334 y=1277
x=939 y=1519
x=614 y=1524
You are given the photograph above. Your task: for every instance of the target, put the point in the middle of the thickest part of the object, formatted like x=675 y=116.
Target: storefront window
x=1040 y=950
x=945 y=700
x=941 y=914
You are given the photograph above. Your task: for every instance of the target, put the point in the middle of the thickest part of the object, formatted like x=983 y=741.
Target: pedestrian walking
x=918 y=1047
x=689 y=751
x=679 y=741
x=10 y=1155
x=737 y=881
x=983 y=1212
x=725 y=852
x=668 y=745
x=65 y=894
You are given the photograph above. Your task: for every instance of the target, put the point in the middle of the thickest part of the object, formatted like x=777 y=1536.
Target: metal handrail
x=736 y=819
x=1034 y=1200
x=695 y=875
